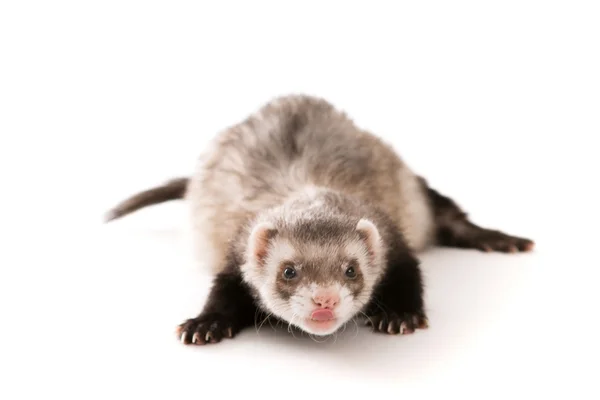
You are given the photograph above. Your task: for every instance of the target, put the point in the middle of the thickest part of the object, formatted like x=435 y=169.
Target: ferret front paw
x=394 y=324
x=208 y=328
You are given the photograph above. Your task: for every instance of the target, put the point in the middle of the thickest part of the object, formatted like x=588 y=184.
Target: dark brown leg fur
x=397 y=304
x=454 y=229
x=228 y=310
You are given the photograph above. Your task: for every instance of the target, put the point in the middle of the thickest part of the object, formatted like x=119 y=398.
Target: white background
x=495 y=103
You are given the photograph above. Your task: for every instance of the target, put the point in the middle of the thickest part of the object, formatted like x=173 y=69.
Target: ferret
x=309 y=219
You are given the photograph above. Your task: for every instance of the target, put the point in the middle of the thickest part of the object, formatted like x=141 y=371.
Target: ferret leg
x=228 y=310
x=397 y=304
x=454 y=229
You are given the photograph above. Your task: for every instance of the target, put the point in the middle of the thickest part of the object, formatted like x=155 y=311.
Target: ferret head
x=314 y=274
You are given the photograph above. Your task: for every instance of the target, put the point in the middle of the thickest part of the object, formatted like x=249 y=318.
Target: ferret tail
x=173 y=189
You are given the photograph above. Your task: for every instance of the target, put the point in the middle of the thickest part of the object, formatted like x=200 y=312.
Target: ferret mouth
x=320 y=328
x=321 y=321
x=322 y=315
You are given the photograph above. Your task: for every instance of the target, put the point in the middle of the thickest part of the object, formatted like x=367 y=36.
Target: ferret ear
x=370 y=235
x=258 y=242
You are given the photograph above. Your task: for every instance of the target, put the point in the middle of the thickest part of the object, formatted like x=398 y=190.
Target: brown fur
x=172 y=190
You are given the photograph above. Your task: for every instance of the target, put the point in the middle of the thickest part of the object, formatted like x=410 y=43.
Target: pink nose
x=328 y=300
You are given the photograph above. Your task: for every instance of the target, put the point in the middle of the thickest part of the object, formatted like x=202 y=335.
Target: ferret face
x=315 y=283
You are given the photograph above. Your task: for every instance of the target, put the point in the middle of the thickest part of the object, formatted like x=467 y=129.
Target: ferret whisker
x=344 y=327
x=380 y=306
x=357 y=328
x=271 y=324
x=290 y=327
x=282 y=311
x=325 y=339
x=263 y=322
x=367 y=317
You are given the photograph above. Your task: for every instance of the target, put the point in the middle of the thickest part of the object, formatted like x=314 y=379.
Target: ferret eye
x=351 y=272
x=289 y=273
